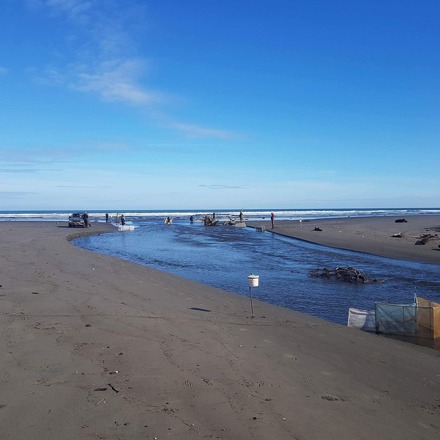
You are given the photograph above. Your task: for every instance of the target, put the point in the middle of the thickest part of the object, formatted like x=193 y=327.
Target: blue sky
x=170 y=104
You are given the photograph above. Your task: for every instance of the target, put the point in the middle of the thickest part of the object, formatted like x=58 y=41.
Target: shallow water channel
x=224 y=256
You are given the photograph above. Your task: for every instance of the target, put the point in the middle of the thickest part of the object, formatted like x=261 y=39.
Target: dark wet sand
x=93 y=347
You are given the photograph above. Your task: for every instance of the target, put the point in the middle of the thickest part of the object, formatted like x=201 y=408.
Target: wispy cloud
x=34 y=155
x=16 y=170
x=196 y=131
x=115 y=81
x=33 y=159
x=105 y=60
x=15 y=194
x=222 y=186
x=73 y=9
x=83 y=186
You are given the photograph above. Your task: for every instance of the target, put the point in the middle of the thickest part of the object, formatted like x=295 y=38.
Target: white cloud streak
x=195 y=131
x=116 y=81
x=222 y=186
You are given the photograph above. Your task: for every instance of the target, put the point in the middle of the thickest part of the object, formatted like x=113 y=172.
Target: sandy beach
x=93 y=347
x=372 y=235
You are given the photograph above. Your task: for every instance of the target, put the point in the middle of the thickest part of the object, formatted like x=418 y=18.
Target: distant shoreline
x=370 y=235
x=260 y=214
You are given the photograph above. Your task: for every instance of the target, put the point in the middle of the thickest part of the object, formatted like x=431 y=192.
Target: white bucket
x=253 y=280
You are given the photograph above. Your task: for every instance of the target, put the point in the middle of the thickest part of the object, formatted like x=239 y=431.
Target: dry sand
x=93 y=347
x=372 y=235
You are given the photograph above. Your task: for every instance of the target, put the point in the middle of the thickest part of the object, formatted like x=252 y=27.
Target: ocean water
x=224 y=256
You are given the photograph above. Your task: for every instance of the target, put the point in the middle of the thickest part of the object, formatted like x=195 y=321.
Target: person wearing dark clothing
x=106 y=218
x=86 y=219
x=122 y=220
x=272 y=218
x=240 y=216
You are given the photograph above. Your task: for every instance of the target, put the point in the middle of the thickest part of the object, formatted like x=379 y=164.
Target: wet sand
x=93 y=347
x=371 y=235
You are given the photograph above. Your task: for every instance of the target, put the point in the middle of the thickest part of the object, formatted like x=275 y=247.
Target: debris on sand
x=424 y=238
x=345 y=274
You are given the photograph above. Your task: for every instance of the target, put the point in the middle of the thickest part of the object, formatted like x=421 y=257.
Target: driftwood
x=345 y=274
x=424 y=238
x=231 y=222
x=210 y=221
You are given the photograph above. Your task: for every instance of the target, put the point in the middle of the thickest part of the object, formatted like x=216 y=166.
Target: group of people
x=207 y=220
x=119 y=218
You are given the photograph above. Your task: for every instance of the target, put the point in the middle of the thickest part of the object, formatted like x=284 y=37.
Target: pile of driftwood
x=210 y=221
x=345 y=274
x=424 y=238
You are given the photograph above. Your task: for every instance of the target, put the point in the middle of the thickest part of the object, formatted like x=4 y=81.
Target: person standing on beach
x=106 y=217
x=86 y=219
x=122 y=220
x=240 y=216
x=272 y=218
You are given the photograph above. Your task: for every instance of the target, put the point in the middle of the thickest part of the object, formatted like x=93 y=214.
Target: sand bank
x=372 y=235
x=93 y=347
